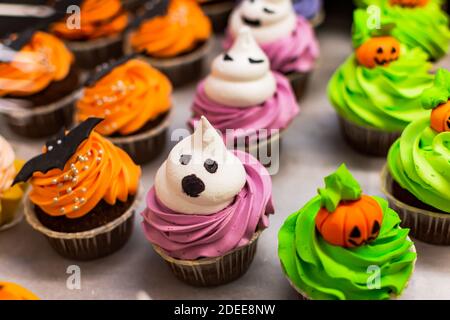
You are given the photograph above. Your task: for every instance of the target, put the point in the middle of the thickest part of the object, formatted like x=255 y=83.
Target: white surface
x=312 y=148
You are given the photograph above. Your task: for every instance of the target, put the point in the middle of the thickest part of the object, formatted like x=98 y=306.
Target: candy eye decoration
x=268 y=11
x=409 y=3
x=378 y=51
x=185 y=159
x=255 y=60
x=211 y=166
x=227 y=57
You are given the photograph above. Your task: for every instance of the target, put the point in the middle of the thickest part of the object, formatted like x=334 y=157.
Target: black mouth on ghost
x=251 y=22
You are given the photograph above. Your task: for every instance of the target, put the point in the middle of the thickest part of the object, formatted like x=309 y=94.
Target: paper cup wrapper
x=145 y=146
x=91 y=244
x=369 y=141
x=89 y=54
x=427 y=226
x=299 y=83
x=213 y=271
x=218 y=12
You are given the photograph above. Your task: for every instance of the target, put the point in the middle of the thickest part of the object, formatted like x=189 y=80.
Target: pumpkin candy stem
x=437 y=98
x=339 y=186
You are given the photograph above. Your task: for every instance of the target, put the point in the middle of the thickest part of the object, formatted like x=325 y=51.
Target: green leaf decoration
x=339 y=186
x=439 y=93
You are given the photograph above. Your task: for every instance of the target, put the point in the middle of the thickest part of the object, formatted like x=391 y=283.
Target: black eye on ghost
x=227 y=57
x=185 y=159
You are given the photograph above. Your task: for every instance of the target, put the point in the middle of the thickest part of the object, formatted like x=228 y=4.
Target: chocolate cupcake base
x=86 y=245
x=218 y=12
x=367 y=140
x=91 y=53
x=429 y=226
x=180 y=70
x=213 y=271
x=299 y=82
x=42 y=121
x=147 y=145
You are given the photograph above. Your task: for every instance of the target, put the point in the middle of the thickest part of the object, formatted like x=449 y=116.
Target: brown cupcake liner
x=91 y=53
x=369 y=141
x=427 y=226
x=180 y=70
x=91 y=244
x=303 y=296
x=210 y=272
x=42 y=121
x=146 y=146
x=16 y=218
x=299 y=82
x=218 y=12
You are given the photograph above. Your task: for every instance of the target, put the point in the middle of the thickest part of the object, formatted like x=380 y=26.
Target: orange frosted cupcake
x=38 y=83
x=83 y=193
x=12 y=291
x=176 y=42
x=135 y=100
x=99 y=36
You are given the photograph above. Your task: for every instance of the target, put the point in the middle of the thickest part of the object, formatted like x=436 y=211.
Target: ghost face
x=241 y=77
x=200 y=176
x=268 y=19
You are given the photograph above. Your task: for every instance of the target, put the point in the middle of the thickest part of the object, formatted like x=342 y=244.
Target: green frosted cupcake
x=376 y=92
x=417 y=181
x=346 y=245
x=420 y=23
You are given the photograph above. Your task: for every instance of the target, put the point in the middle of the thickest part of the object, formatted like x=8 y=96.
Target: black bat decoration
x=106 y=68
x=59 y=150
x=151 y=10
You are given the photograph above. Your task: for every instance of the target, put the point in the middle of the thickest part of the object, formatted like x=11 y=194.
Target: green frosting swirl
x=323 y=271
x=423 y=27
x=420 y=162
x=386 y=98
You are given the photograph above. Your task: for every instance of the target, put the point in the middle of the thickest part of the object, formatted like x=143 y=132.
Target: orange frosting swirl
x=43 y=60
x=98 y=171
x=179 y=31
x=130 y=96
x=99 y=18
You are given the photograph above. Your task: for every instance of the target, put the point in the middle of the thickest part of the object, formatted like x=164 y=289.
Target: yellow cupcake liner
x=10 y=201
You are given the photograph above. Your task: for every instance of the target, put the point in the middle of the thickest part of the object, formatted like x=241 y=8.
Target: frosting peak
x=268 y=19
x=241 y=77
x=7 y=168
x=200 y=175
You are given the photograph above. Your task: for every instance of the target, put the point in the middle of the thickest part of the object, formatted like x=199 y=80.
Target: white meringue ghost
x=241 y=77
x=200 y=175
x=269 y=20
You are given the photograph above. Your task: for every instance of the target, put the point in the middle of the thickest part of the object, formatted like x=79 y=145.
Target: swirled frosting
x=324 y=271
x=419 y=162
x=425 y=27
x=99 y=18
x=295 y=52
x=191 y=237
x=384 y=97
x=7 y=168
x=307 y=8
x=128 y=97
x=241 y=77
x=97 y=171
x=276 y=113
x=43 y=60
x=184 y=27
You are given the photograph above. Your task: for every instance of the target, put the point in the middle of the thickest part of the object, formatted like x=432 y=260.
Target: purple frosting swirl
x=274 y=114
x=190 y=237
x=307 y=8
x=296 y=53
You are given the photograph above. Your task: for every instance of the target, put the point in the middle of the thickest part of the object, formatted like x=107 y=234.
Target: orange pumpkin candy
x=409 y=3
x=352 y=224
x=378 y=51
x=440 y=117
x=11 y=291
